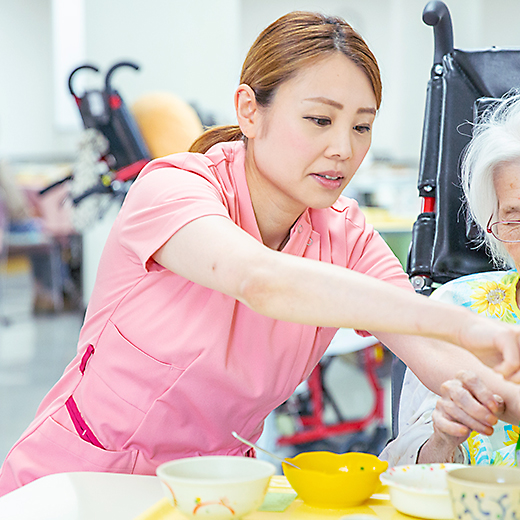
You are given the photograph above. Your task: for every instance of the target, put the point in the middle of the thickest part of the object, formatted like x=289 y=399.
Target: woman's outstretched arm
x=214 y=252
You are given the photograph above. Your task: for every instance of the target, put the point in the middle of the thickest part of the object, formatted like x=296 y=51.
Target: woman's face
x=311 y=140
x=507 y=187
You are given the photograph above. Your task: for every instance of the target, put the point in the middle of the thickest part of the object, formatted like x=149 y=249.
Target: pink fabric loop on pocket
x=79 y=423
x=85 y=358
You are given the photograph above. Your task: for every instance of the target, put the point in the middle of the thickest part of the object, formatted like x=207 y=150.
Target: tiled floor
x=35 y=349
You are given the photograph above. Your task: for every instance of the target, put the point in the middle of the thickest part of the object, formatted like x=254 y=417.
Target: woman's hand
x=466 y=405
x=495 y=343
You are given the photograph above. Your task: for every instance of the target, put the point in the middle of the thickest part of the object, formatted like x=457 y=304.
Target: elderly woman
x=461 y=425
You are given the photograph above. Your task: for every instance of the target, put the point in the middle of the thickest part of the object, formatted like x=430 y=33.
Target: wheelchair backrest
x=462 y=84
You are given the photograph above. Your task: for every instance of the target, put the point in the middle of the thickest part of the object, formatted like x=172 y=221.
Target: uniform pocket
x=119 y=385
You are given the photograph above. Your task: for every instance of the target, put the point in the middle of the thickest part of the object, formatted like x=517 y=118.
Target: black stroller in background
x=462 y=84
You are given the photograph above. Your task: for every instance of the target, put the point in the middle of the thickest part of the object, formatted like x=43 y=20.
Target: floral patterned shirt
x=492 y=294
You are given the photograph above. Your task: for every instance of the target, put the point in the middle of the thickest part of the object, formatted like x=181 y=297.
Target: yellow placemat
x=279 y=497
x=377 y=507
x=162 y=510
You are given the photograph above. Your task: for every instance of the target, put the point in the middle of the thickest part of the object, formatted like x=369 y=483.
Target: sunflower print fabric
x=491 y=294
x=496 y=298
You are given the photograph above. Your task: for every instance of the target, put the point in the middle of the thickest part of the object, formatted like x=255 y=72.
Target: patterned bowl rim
x=388 y=477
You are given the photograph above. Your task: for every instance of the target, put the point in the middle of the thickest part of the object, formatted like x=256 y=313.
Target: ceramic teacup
x=485 y=492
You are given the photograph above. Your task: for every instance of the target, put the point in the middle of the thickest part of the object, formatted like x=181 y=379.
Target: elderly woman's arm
x=416 y=428
x=459 y=411
x=432 y=428
x=415 y=423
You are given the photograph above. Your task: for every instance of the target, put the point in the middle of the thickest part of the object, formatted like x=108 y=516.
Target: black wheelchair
x=462 y=84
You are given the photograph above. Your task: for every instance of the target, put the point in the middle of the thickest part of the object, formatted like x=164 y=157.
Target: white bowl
x=216 y=487
x=421 y=489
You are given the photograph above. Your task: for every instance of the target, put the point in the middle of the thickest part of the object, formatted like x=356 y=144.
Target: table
x=82 y=496
x=395 y=230
x=111 y=496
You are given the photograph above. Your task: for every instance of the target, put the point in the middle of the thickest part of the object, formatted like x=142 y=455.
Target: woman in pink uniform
x=228 y=272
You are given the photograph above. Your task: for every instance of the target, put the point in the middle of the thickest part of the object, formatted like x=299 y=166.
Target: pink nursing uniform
x=167 y=368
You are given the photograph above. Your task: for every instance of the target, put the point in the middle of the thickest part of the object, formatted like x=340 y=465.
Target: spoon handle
x=241 y=439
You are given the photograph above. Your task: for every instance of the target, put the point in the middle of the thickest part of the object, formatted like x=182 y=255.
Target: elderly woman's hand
x=465 y=405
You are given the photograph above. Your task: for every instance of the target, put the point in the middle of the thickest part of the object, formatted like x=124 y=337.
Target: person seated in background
x=462 y=425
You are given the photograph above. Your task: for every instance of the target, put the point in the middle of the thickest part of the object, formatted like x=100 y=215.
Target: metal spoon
x=241 y=439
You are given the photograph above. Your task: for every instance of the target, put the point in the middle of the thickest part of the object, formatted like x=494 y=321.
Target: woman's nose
x=340 y=146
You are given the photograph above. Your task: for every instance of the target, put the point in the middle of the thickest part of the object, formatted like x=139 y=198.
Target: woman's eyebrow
x=339 y=106
x=326 y=101
x=367 y=110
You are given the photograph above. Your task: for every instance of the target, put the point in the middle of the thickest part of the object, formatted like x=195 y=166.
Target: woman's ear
x=247 y=110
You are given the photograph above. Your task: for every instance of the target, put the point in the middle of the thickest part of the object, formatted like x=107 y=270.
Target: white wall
x=188 y=47
x=26 y=95
x=195 y=49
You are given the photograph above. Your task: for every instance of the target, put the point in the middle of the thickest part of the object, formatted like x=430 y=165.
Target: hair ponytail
x=214 y=135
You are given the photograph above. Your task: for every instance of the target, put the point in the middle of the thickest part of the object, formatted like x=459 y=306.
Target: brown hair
x=293 y=41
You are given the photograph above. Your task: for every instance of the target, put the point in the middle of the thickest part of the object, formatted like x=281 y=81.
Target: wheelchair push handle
x=108 y=77
x=437 y=15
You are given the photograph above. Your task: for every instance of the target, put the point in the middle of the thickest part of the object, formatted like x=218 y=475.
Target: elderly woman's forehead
x=507 y=170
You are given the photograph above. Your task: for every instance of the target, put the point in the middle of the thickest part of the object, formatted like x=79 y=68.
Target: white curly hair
x=495 y=142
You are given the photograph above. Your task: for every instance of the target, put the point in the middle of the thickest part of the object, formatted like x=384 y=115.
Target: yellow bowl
x=332 y=480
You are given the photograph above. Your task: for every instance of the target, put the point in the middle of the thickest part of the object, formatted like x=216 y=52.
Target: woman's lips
x=331 y=180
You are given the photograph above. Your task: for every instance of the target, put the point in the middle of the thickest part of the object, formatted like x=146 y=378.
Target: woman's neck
x=274 y=216
x=274 y=229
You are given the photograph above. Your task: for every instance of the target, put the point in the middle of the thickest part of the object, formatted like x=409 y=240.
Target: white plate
x=82 y=496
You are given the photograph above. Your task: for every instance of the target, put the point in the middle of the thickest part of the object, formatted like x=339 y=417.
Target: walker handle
x=108 y=77
x=86 y=66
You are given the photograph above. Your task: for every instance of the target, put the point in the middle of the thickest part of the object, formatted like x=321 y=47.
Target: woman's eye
x=362 y=129
x=319 y=121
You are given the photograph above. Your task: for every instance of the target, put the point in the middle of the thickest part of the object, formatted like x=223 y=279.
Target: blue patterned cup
x=485 y=492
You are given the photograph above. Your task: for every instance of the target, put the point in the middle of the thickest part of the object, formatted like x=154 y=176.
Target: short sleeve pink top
x=167 y=368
